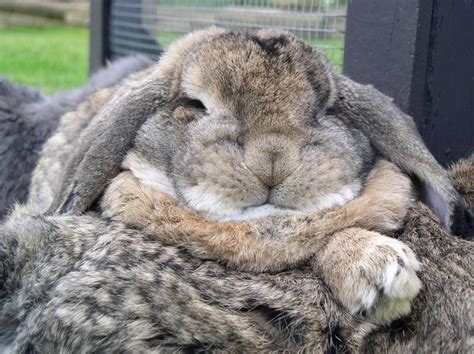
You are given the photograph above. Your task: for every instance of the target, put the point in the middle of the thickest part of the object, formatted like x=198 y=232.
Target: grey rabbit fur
x=87 y=284
x=28 y=119
x=264 y=320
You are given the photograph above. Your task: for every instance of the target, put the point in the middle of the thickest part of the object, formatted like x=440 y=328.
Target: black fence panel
x=99 y=34
x=421 y=53
x=132 y=28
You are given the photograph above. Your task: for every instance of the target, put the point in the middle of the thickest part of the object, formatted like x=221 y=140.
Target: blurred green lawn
x=57 y=58
x=53 y=58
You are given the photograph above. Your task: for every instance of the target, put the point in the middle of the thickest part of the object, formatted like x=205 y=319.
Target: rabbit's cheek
x=318 y=184
x=219 y=184
x=149 y=174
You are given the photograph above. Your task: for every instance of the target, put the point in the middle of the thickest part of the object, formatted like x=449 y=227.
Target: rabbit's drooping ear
x=103 y=145
x=394 y=135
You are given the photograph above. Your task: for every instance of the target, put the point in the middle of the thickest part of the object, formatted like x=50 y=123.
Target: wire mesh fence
x=144 y=25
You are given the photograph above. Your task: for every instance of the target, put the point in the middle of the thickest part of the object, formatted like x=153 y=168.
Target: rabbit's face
x=246 y=130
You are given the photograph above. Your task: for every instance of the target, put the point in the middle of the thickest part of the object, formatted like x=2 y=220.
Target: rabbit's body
x=239 y=126
x=368 y=272
x=255 y=147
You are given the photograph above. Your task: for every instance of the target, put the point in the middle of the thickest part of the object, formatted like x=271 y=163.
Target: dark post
x=421 y=53
x=99 y=44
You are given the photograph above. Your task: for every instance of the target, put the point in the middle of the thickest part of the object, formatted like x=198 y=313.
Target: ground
x=57 y=58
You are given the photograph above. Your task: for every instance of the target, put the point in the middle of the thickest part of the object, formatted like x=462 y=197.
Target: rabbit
x=381 y=206
x=28 y=119
x=63 y=265
x=248 y=126
x=219 y=166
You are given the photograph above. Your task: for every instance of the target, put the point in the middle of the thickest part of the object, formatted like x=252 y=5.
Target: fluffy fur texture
x=82 y=283
x=28 y=119
x=369 y=110
x=258 y=142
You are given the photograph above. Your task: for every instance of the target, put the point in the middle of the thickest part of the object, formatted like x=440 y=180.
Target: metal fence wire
x=140 y=26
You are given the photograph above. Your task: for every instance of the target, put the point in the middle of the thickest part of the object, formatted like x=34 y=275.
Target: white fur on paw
x=382 y=284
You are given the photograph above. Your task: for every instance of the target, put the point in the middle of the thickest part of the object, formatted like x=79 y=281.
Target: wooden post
x=421 y=53
x=99 y=30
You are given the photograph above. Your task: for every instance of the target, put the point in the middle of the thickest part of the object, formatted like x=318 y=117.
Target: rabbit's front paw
x=382 y=284
x=386 y=199
x=375 y=276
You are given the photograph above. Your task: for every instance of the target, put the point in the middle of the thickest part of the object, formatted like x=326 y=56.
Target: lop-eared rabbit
x=247 y=126
x=247 y=149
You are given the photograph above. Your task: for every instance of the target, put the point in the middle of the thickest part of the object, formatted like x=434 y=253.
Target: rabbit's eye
x=191 y=103
x=187 y=109
x=196 y=104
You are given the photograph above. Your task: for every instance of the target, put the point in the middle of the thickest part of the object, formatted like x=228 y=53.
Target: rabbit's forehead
x=249 y=71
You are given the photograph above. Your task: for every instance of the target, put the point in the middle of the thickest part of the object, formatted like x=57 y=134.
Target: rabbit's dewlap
x=247 y=133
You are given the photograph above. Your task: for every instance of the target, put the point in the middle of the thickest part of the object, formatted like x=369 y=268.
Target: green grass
x=49 y=58
x=335 y=53
x=164 y=39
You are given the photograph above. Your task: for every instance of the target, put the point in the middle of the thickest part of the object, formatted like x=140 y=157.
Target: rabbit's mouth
x=328 y=201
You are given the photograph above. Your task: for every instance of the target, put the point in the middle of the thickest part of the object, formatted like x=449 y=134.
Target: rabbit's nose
x=272 y=159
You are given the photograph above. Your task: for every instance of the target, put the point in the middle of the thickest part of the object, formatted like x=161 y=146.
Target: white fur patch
x=148 y=174
x=201 y=199
x=368 y=297
x=398 y=280
x=388 y=277
x=345 y=194
x=396 y=277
